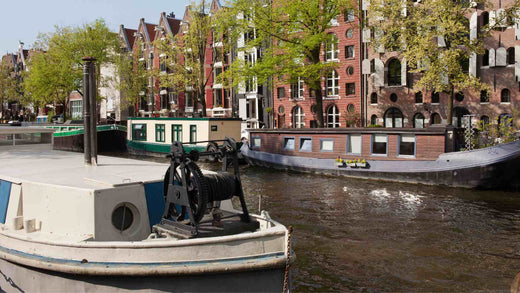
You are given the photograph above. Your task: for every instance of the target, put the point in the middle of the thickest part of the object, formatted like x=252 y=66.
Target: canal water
x=362 y=235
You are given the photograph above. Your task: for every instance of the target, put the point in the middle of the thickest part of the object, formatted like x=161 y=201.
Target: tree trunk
x=450 y=107
x=316 y=86
x=203 y=101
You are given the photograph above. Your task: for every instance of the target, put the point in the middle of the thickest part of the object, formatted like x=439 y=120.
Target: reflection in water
x=376 y=236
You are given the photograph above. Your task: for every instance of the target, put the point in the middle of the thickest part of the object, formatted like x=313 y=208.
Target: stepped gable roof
x=128 y=35
x=173 y=25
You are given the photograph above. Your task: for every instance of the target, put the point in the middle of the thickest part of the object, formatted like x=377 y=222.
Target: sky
x=22 y=21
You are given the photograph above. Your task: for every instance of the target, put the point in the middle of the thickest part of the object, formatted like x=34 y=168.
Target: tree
x=186 y=54
x=131 y=77
x=56 y=69
x=9 y=85
x=292 y=34
x=435 y=39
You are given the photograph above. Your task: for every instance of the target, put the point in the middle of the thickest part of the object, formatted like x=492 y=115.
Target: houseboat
x=69 y=227
x=110 y=137
x=154 y=136
x=395 y=154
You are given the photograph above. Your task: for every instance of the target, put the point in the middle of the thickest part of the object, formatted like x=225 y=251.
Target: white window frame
x=333 y=80
x=335 y=117
x=332 y=49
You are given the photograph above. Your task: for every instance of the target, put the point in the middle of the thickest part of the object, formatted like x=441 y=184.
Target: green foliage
x=491 y=134
x=413 y=29
x=352 y=119
x=56 y=68
x=293 y=34
x=10 y=89
x=186 y=55
x=131 y=76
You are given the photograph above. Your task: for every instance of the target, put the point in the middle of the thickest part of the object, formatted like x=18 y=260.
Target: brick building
x=392 y=102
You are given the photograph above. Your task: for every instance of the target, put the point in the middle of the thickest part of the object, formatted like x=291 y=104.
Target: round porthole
x=313 y=109
x=122 y=217
x=393 y=97
x=351 y=108
x=281 y=109
x=350 y=70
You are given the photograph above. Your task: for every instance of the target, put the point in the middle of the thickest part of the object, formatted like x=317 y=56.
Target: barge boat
x=404 y=155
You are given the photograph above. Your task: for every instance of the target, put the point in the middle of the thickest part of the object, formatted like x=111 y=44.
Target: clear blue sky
x=23 y=20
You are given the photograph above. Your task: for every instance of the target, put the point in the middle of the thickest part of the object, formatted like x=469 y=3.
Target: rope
x=288 y=261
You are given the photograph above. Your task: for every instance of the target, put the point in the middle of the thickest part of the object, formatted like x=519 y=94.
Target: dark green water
x=358 y=235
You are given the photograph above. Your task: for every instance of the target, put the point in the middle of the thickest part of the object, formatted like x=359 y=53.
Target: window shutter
x=517 y=63
x=473 y=26
x=403 y=72
x=473 y=64
x=366 y=35
x=365 y=66
x=501 y=54
x=379 y=77
x=491 y=57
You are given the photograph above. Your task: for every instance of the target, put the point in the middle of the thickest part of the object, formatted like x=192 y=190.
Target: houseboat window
x=407 y=145
x=393 y=118
x=326 y=145
x=122 y=217
x=305 y=144
x=418 y=120
x=288 y=143
x=159 y=132
x=256 y=142
x=297 y=117
x=176 y=132
x=193 y=133
x=379 y=144
x=138 y=131
x=435 y=119
x=333 y=117
x=354 y=144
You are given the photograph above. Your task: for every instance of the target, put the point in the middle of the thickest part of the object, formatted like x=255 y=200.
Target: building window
x=350 y=70
x=418 y=98
x=189 y=99
x=349 y=52
x=349 y=33
x=217 y=98
x=485 y=18
x=333 y=117
x=139 y=132
x=305 y=144
x=435 y=119
x=393 y=97
x=435 y=98
x=162 y=65
x=159 y=132
x=281 y=92
x=511 y=56
x=193 y=133
x=76 y=109
x=332 y=50
x=288 y=143
x=354 y=144
x=505 y=96
x=393 y=118
x=418 y=120
x=379 y=144
x=484 y=97
x=350 y=88
x=373 y=98
x=459 y=97
x=176 y=132
x=349 y=15
x=485 y=58
x=373 y=120
x=297 y=89
x=333 y=84
x=394 y=72
x=298 y=115
x=407 y=145
x=326 y=145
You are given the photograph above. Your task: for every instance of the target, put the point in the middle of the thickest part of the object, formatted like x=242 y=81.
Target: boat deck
x=25 y=163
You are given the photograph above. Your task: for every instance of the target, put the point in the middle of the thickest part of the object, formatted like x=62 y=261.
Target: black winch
x=186 y=186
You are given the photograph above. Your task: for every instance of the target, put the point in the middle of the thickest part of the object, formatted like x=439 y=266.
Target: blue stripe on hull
x=5 y=193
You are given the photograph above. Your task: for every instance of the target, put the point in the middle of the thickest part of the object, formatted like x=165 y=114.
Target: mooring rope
x=288 y=261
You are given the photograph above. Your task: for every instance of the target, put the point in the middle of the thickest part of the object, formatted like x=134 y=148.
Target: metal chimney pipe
x=86 y=110
x=93 y=112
